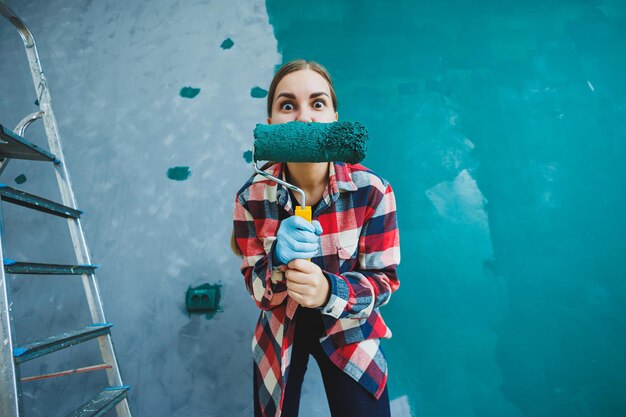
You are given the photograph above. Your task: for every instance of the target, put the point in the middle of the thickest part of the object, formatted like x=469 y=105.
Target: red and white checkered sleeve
x=264 y=282
x=356 y=293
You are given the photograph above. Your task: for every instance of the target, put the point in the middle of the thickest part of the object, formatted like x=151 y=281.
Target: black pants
x=346 y=397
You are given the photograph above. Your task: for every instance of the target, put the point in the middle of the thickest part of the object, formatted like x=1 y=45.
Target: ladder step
x=24 y=199
x=51 y=344
x=32 y=268
x=15 y=146
x=101 y=403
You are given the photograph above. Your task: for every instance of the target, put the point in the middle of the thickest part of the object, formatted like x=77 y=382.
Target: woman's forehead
x=302 y=81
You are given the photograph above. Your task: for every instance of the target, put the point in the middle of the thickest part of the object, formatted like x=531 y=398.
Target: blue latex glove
x=296 y=239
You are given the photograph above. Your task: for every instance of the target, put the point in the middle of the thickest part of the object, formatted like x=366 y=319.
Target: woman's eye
x=319 y=104
x=286 y=106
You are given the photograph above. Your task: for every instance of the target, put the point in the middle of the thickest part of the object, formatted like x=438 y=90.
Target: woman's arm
x=263 y=281
x=356 y=293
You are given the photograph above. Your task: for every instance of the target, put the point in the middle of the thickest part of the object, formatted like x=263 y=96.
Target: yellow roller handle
x=306 y=214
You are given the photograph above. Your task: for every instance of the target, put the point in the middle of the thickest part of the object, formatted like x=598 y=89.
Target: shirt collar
x=339 y=179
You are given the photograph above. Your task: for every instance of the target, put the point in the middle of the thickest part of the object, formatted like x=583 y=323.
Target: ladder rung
x=51 y=344
x=68 y=372
x=13 y=267
x=15 y=146
x=34 y=202
x=101 y=403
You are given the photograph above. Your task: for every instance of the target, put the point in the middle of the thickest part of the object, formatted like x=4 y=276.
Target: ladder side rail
x=68 y=198
x=10 y=390
x=62 y=175
x=78 y=239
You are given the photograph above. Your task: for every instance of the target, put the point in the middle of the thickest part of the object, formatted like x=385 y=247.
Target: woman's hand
x=306 y=283
x=296 y=238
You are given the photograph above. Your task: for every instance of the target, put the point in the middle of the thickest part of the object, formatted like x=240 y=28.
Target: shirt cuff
x=276 y=275
x=273 y=259
x=339 y=295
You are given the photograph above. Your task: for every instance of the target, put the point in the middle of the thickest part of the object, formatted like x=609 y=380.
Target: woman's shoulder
x=257 y=183
x=363 y=176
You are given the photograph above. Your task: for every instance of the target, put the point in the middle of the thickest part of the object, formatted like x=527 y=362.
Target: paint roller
x=308 y=142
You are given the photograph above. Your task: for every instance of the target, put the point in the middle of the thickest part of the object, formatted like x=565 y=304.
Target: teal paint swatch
x=20 y=179
x=178 y=173
x=247 y=156
x=189 y=92
x=258 y=92
x=503 y=133
x=227 y=44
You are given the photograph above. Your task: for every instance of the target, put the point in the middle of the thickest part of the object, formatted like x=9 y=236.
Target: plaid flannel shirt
x=359 y=252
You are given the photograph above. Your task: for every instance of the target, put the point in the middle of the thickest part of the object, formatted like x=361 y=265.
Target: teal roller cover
x=310 y=142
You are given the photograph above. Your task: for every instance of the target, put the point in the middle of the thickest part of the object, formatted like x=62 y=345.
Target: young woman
x=327 y=307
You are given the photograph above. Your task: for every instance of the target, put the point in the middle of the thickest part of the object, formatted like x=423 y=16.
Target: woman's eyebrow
x=293 y=97
x=288 y=95
x=321 y=93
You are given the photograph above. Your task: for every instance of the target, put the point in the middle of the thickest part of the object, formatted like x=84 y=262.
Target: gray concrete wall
x=115 y=71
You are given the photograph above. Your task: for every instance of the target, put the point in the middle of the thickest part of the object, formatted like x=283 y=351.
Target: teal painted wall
x=502 y=128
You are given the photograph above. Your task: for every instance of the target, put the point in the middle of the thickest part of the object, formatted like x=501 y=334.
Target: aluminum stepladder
x=14 y=146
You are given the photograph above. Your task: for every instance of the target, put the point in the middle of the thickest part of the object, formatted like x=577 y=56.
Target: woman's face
x=303 y=96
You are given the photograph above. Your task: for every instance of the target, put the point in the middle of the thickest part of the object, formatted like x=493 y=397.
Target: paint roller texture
x=310 y=142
